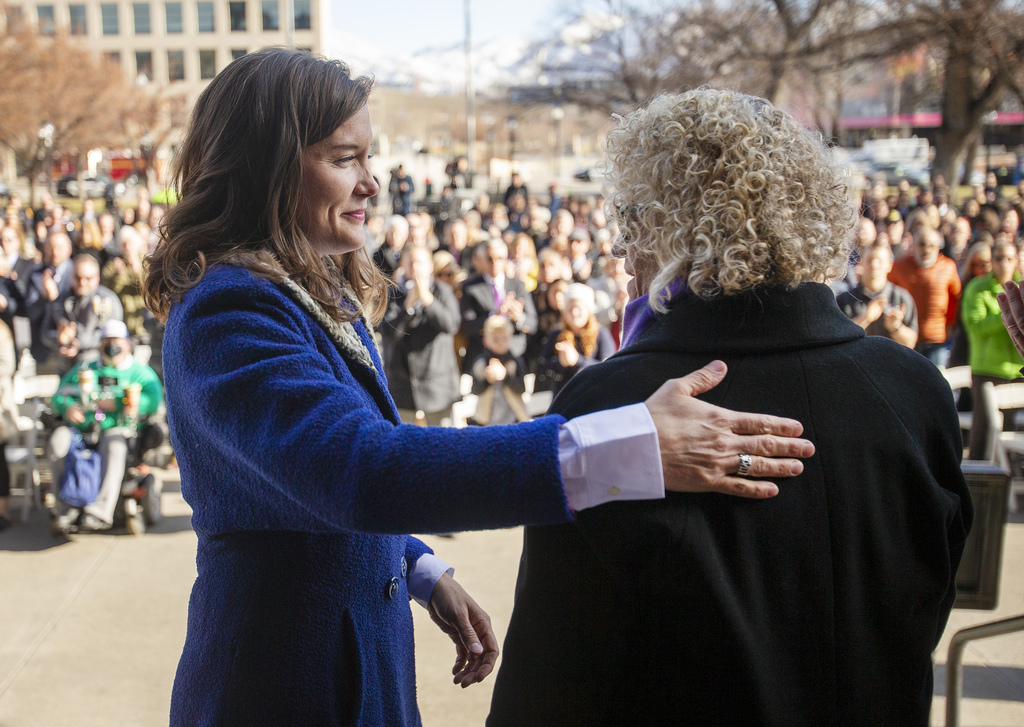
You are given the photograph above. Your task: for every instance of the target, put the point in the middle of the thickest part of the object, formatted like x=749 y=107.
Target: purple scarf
x=638 y=315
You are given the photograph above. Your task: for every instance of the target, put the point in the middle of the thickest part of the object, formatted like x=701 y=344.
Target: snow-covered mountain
x=498 y=63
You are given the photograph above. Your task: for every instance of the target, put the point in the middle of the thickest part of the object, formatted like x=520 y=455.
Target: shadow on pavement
x=1003 y=683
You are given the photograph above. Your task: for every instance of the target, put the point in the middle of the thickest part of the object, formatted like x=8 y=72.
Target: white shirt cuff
x=610 y=455
x=425 y=572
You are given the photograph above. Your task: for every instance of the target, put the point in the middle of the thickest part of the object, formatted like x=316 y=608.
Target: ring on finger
x=746 y=462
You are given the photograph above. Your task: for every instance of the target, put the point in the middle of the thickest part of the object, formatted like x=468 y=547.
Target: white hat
x=583 y=293
x=114 y=329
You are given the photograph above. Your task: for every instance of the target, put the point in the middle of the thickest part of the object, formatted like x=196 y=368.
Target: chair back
x=958 y=377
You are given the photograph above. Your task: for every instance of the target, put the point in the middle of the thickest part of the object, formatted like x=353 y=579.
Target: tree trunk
x=963 y=108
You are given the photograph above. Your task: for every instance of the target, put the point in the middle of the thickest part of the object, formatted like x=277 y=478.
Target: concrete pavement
x=91 y=628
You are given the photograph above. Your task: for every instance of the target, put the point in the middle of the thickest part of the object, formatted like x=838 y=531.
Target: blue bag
x=80 y=483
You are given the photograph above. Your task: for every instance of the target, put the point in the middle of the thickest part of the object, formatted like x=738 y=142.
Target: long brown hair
x=238 y=175
x=586 y=342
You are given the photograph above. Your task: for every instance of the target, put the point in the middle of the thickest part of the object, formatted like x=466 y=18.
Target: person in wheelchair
x=107 y=403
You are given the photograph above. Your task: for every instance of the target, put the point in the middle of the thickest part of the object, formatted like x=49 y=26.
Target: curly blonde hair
x=729 y=192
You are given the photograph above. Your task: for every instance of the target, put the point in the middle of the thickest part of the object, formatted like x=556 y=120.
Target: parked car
x=94 y=187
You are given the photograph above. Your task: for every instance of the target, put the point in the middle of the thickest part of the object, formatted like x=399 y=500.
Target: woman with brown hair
x=580 y=342
x=300 y=477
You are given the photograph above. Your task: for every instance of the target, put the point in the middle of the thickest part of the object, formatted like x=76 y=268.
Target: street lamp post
x=557 y=114
x=46 y=135
x=511 y=124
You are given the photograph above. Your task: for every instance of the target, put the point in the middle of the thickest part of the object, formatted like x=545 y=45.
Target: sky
x=405 y=26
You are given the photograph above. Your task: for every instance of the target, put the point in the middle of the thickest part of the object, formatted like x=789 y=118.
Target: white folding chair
x=21 y=456
x=1001 y=444
x=959 y=377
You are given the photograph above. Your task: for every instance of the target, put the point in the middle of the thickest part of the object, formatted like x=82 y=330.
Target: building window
x=237 y=53
x=143 y=66
x=47 y=26
x=205 y=18
x=173 y=13
x=142 y=24
x=113 y=56
x=207 y=64
x=270 y=17
x=175 y=65
x=15 y=19
x=302 y=14
x=237 y=14
x=76 y=15
x=108 y=13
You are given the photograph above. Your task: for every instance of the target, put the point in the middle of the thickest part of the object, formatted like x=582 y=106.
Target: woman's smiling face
x=336 y=184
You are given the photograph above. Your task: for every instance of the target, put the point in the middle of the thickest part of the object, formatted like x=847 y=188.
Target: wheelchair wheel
x=152 y=510
x=134 y=521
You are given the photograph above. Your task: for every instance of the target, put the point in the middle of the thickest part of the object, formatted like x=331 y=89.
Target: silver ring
x=746 y=462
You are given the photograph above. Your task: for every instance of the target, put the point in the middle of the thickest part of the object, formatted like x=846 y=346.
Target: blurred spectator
x=8 y=417
x=47 y=283
x=554 y=198
x=389 y=256
x=878 y=306
x=580 y=342
x=419 y=352
x=516 y=189
x=498 y=377
x=958 y=240
x=73 y=324
x=491 y=292
x=579 y=255
x=611 y=295
x=932 y=280
x=992 y=354
x=523 y=263
x=105 y=414
x=123 y=276
x=401 y=188
x=456 y=239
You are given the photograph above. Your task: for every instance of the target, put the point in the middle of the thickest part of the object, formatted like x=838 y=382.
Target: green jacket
x=69 y=393
x=992 y=352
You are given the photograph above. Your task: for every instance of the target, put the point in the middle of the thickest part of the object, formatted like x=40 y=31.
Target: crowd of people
x=64 y=279
x=926 y=272
x=497 y=290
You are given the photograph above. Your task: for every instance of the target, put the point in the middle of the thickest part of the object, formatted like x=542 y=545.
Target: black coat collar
x=763 y=320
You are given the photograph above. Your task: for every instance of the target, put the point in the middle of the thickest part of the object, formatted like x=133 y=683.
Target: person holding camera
x=107 y=402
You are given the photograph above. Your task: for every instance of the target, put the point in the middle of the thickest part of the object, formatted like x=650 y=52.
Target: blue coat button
x=405 y=567
x=392 y=588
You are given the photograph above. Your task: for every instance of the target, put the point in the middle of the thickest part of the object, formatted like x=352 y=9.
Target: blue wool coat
x=301 y=485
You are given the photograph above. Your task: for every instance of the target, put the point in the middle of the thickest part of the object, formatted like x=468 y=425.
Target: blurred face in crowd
x=11 y=241
x=86 y=277
x=398 y=232
x=580 y=246
x=492 y=258
x=576 y=315
x=563 y=224
x=418 y=262
x=106 y=221
x=1011 y=221
x=876 y=263
x=59 y=246
x=120 y=347
x=866 y=232
x=981 y=262
x=551 y=268
x=336 y=184
x=961 y=232
x=894 y=230
x=1004 y=262
x=458 y=236
x=497 y=341
x=927 y=243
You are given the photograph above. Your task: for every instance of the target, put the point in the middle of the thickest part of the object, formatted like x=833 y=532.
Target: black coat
x=478 y=306
x=820 y=606
x=419 y=351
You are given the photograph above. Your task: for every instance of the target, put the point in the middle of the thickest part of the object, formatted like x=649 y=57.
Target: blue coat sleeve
x=252 y=393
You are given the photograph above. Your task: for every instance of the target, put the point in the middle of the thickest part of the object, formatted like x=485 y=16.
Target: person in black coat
x=492 y=292
x=819 y=607
x=419 y=350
